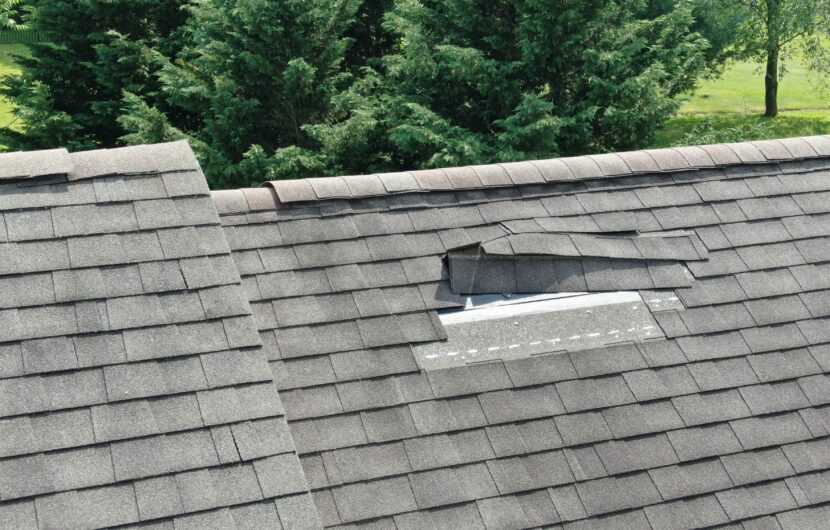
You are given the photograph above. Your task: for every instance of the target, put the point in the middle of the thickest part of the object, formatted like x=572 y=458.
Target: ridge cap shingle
x=21 y=165
x=139 y=159
x=666 y=160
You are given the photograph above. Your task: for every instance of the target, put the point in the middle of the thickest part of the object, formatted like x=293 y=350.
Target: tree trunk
x=771 y=84
x=773 y=47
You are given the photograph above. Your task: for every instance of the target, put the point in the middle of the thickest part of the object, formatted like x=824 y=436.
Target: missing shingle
x=499 y=327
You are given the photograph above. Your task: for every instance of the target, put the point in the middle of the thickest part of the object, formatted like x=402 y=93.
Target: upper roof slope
x=725 y=420
x=133 y=386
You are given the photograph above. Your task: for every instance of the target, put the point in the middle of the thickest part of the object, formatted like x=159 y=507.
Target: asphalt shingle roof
x=724 y=421
x=158 y=366
x=133 y=387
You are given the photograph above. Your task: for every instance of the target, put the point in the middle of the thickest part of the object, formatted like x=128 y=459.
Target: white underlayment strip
x=534 y=304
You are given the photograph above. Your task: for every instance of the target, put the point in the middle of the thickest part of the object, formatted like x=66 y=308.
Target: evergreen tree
x=252 y=74
x=271 y=89
x=483 y=80
x=12 y=13
x=369 y=40
x=69 y=92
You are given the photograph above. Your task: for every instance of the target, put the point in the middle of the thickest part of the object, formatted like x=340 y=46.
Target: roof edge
x=569 y=169
x=139 y=159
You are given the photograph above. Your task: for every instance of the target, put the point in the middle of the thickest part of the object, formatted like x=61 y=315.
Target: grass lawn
x=731 y=108
x=738 y=127
x=741 y=89
x=7 y=66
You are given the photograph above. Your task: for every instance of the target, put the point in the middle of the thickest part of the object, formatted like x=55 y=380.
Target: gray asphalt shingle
x=340 y=289
x=101 y=242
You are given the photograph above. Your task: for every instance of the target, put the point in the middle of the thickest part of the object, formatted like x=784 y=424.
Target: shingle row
x=448 y=210
x=562 y=505
x=729 y=477
x=651 y=247
x=404 y=418
x=148 y=500
x=69 y=344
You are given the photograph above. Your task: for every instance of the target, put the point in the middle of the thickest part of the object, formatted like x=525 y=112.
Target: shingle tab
x=374 y=499
x=757 y=466
x=750 y=501
x=711 y=407
x=623 y=456
x=770 y=430
x=701 y=442
x=687 y=480
x=617 y=493
x=594 y=393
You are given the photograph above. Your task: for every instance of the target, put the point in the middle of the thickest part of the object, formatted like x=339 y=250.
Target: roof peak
x=139 y=159
x=567 y=169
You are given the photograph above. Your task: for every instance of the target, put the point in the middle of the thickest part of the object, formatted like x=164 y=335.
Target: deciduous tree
x=773 y=29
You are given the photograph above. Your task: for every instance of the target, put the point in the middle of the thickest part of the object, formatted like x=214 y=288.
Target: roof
x=133 y=386
x=723 y=421
x=117 y=288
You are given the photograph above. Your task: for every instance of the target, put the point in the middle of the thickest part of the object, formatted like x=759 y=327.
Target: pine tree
x=271 y=89
x=69 y=92
x=482 y=81
x=252 y=74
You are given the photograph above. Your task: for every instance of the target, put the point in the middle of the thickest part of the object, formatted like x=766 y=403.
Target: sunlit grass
x=732 y=106
x=741 y=89
x=7 y=66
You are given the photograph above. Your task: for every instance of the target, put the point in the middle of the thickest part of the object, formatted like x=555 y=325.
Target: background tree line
x=269 y=89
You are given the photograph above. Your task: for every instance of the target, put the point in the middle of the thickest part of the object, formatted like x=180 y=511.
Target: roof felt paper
x=133 y=387
x=158 y=367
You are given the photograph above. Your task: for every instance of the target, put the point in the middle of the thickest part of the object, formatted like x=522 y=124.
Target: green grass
x=7 y=66
x=730 y=109
x=738 y=127
x=741 y=89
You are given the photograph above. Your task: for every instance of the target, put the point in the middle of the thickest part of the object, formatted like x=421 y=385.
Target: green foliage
x=709 y=131
x=482 y=81
x=772 y=31
x=12 y=14
x=269 y=89
x=369 y=40
x=46 y=127
x=95 y=50
x=249 y=77
x=768 y=23
x=677 y=130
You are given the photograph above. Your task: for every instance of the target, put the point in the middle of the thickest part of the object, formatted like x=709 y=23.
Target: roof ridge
x=577 y=168
x=138 y=159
